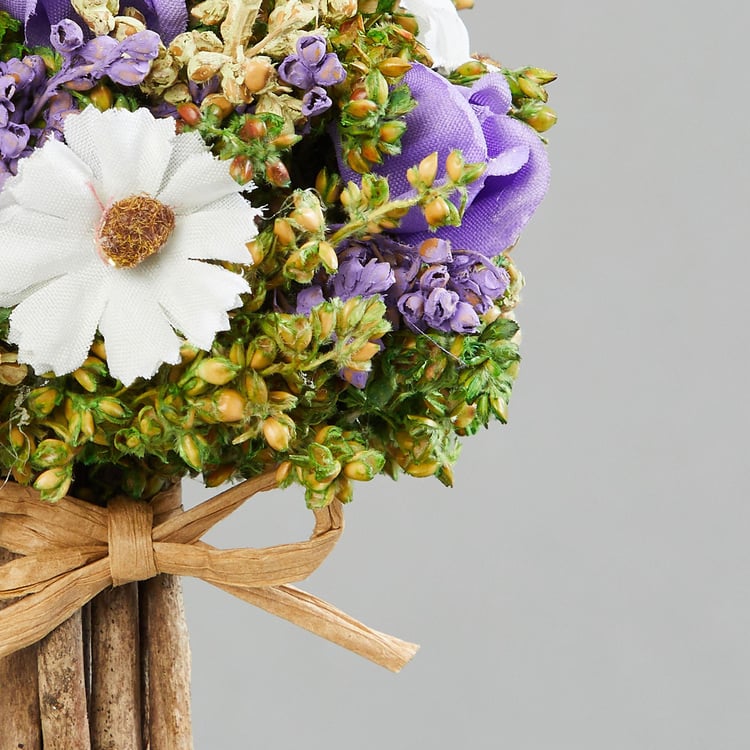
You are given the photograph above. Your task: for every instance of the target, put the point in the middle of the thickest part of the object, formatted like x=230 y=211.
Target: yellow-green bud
x=394 y=67
x=277 y=434
x=190 y=452
x=437 y=212
x=364 y=465
x=230 y=405
x=427 y=169
x=454 y=166
x=41 y=401
x=54 y=483
x=217 y=370
x=543 y=119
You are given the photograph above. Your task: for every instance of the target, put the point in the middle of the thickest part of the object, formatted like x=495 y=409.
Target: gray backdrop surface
x=586 y=583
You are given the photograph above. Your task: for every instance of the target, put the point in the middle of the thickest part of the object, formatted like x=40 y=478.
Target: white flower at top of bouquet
x=441 y=31
x=110 y=231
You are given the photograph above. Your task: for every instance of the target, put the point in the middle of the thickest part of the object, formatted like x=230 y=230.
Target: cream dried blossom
x=111 y=231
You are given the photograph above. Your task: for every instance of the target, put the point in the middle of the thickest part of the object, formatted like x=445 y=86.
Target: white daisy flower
x=110 y=231
x=441 y=31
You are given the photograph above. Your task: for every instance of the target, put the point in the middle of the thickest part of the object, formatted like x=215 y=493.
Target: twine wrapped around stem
x=73 y=550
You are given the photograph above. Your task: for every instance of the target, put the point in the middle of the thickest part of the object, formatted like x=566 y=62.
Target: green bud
x=50 y=453
x=53 y=484
x=217 y=370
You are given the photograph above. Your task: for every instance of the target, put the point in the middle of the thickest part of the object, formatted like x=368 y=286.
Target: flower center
x=133 y=229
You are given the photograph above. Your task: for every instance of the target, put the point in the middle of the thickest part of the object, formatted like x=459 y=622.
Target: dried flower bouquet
x=241 y=239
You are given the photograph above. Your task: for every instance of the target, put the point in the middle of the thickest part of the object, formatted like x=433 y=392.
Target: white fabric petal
x=54 y=181
x=35 y=248
x=55 y=325
x=195 y=297
x=441 y=31
x=183 y=147
x=199 y=181
x=81 y=135
x=137 y=335
x=131 y=149
x=215 y=234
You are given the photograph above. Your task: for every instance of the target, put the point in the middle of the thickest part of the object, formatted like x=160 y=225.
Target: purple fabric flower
x=474 y=120
x=168 y=18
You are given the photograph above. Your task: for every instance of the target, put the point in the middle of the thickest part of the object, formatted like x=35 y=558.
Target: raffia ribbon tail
x=324 y=620
x=74 y=550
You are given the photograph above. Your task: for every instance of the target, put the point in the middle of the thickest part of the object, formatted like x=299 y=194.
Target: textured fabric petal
x=55 y=325
x=136 y=333
x=495 y=219
x=167 y=17
x=35 y=248
x=56 y=182
x=508 y=162
x=183 y=147
x=196 y=296
x=215 y=234
x=491 y=92
x=132 y=149
x=81 y=138
x=438 y=101
x=199 y=181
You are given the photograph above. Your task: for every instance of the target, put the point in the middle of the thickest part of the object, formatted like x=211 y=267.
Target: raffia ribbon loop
x=131 y=549
x=74 y=550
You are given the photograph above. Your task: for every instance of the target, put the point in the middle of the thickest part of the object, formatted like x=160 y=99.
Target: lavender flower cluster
x=432 y=286
x=27 y=94
x=311 y=69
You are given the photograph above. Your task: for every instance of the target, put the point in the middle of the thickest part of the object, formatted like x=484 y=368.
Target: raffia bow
x=73 y=550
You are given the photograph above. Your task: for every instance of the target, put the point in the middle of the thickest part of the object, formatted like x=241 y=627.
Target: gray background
x=586 y=583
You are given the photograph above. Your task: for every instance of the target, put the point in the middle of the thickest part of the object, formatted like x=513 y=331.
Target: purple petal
x=465 y=319
x=494 y=220
x=294 y=72
x=167 y=18
x=438 y=101
x=308 y=298
x=491 y=92
x=330 y=71
x=66 y=36
x=311 y=50
x=13 y=140
x=440 y=307
x=315 y=102
x=435 y=250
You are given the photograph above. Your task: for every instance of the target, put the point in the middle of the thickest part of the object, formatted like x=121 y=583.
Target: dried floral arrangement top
x=238 y=235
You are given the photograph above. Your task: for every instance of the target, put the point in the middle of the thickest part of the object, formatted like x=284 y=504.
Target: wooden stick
x=115 y=666
x=20 y=725
x=62 y=689
x=166 y=652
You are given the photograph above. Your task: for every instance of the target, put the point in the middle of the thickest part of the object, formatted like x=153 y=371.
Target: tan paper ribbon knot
x=131 y=549
x=73 y=550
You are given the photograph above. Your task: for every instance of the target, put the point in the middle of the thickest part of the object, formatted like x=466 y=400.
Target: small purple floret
x=315 y=102
x=66 y=37
x=311 y=69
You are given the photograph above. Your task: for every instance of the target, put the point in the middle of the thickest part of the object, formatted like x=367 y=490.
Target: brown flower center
x=133 y=229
